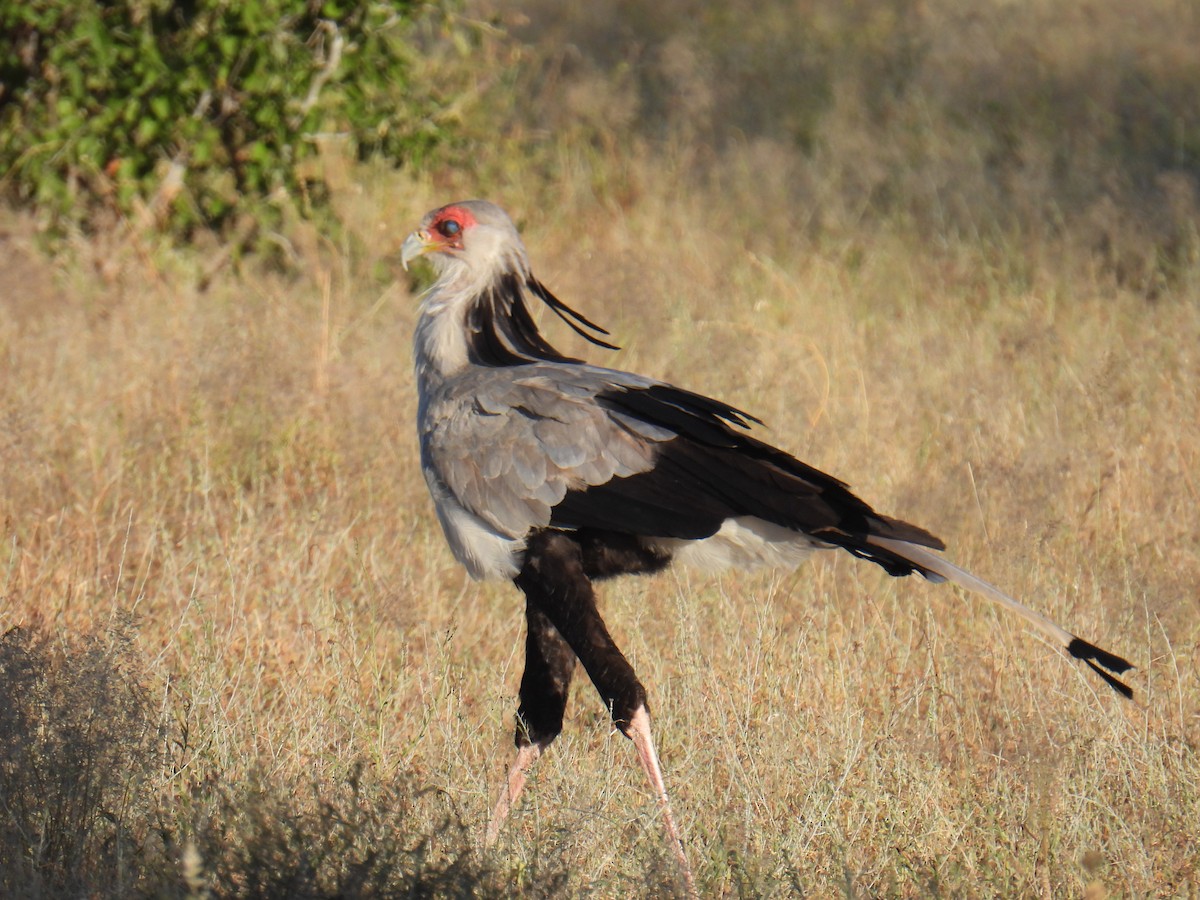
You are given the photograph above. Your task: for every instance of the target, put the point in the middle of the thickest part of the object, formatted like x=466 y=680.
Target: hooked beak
x=416 y=244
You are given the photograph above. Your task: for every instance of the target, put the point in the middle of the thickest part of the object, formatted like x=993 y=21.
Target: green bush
x=195 y=112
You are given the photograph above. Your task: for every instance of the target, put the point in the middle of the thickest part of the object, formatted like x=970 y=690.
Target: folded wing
x=579 y=447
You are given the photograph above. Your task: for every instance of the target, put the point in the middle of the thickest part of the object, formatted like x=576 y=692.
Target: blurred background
x=994 y=121
x=1022 y=122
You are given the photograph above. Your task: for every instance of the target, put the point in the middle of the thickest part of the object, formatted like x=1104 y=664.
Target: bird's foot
x=638 y=731
x=527 y=755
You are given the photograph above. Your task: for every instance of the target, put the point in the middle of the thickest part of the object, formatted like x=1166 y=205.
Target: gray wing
x=509 y=443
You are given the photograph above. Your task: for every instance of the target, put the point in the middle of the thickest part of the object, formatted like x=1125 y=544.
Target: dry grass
x=330 y=699
x=236 y=468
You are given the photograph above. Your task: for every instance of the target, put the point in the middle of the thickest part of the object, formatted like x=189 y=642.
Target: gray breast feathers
x=509 y=443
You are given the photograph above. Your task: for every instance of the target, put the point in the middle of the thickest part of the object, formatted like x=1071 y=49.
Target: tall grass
x=218 y=549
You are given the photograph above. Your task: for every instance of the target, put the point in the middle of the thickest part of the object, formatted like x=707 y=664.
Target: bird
x=556 y=474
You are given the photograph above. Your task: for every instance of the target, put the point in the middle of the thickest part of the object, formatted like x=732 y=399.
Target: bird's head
x=472 y=241
x=484 y=276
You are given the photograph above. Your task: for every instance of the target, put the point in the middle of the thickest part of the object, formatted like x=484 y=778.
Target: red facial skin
x=448 y=226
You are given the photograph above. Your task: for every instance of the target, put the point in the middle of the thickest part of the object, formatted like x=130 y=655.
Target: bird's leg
x=527 y=755
x=639 y=732
x=609 y=553
x=554 y=577
x=549 y=664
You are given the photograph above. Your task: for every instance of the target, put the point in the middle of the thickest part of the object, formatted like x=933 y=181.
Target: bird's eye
x=449 y=228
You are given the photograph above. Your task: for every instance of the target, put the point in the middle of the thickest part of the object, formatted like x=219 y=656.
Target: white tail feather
x=926 y=559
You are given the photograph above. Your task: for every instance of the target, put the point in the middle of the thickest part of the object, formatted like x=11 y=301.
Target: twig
x=332 y=61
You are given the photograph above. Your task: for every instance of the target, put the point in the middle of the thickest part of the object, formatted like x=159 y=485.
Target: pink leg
x=639 y=732
x=526 y=756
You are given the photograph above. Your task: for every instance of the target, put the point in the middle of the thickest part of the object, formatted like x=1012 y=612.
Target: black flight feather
x=712 y=471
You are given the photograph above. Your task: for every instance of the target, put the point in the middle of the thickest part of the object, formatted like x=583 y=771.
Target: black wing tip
x=1099 y=660
x=694 y=403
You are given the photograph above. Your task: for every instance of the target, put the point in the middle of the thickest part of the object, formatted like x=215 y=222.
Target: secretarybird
x=555 y=474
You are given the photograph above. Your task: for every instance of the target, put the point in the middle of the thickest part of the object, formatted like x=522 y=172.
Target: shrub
x=356 y=837
x=91 y=805
x=78 y=745
x=193 y=112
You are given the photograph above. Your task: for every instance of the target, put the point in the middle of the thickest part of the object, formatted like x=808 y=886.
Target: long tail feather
x=1101 y=661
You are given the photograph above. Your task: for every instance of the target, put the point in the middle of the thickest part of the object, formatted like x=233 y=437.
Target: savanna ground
x=239 y=660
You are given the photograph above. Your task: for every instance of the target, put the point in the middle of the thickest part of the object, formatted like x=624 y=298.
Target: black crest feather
x=502 y=332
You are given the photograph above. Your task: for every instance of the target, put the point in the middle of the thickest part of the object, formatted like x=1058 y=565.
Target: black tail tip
x=1099 y=660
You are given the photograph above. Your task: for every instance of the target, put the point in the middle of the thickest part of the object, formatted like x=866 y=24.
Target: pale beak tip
x=414 y=246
